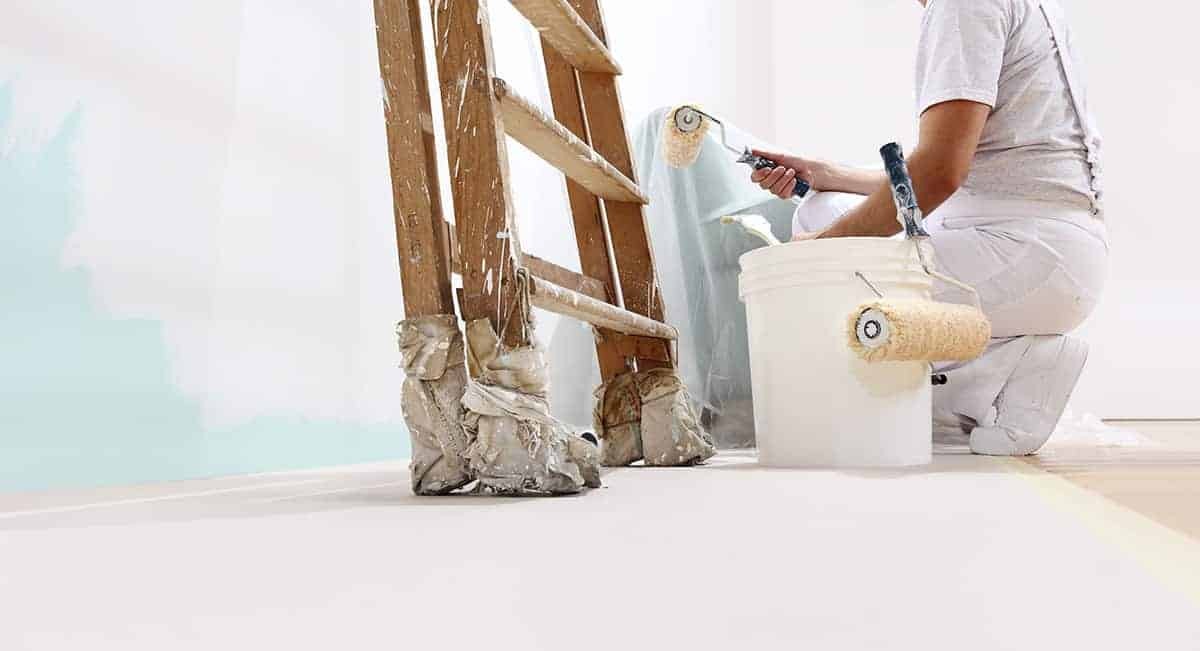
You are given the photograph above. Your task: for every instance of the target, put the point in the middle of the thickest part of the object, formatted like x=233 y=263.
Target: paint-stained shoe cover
x=517 y=447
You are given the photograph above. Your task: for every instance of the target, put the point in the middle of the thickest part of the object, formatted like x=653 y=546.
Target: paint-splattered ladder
x=585 y=139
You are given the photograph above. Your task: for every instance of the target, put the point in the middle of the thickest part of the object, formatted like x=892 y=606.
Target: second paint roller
x=910 y=331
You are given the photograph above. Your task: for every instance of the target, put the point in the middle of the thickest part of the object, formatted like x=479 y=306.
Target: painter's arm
x=854 y=180
x=950 y=133
x=822 y=175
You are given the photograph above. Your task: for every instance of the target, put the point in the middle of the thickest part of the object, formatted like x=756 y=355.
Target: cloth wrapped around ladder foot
x=431 y=348
x=618 y=421
x=915 y=330
x=517 y=447
x=649 y=416
x=499 y=430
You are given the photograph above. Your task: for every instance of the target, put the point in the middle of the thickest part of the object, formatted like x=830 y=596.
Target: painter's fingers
x=768 y=176
x=772 y=178
x=758 y=176
x=783 y=187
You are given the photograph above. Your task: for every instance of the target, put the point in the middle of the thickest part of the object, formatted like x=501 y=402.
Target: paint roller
x=896 y=330
x=684 y=135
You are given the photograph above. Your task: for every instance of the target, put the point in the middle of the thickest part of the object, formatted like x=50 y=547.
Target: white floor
x=970 y=553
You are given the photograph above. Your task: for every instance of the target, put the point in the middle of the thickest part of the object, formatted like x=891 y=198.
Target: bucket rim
x=758 y=287
x=885 y=247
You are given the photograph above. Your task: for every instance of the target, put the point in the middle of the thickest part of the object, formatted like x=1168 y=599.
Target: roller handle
x=903 y=193
x=762 y=163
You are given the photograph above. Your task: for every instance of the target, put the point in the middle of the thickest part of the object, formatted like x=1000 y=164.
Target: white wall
x=230 y=163
x=1146 y=96
x=710 y=52
x=844 y=76
x=857 y=94
x=227 y=217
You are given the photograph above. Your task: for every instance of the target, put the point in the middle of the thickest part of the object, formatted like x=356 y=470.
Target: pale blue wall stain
x=86 y=399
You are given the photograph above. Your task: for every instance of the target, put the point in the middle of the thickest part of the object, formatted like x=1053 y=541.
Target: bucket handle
x=871 y=286
x=933 y=273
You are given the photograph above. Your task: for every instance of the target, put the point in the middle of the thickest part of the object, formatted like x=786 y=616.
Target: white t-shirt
x=1002 y=53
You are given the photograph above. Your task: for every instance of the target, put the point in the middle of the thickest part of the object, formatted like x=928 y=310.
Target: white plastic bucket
x=816 y=404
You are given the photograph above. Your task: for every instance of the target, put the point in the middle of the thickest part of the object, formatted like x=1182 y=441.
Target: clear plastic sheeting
x=697 y=261
x=1083 y=430
x=649 y=416
x=1074 y=430
x=431 y=348
x=517 y=447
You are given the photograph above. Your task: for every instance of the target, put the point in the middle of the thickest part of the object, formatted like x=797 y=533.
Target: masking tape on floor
x=1170 y=556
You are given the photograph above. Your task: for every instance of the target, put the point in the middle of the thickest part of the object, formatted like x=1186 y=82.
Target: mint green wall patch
x=87 y=399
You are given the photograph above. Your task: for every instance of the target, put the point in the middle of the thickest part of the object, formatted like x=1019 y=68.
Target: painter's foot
x=1006 y=442
x=1033 y=400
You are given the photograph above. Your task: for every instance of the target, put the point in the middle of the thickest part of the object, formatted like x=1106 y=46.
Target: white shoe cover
x=1033 y=399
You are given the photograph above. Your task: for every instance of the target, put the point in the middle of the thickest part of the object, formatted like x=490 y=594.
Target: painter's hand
x=781 y=181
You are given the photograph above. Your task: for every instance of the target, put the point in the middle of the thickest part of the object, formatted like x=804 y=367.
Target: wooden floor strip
x=1168 y=554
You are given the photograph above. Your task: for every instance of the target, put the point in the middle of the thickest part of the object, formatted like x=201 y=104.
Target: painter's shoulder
x=1024 y=6
x=1021 y=11
x=978 y=7
x=1006 y=7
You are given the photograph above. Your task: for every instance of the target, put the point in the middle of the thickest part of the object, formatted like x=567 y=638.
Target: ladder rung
x=563 y=28
x=560 y=300
x=549 y=139
x=565 y=278
x=637 y=347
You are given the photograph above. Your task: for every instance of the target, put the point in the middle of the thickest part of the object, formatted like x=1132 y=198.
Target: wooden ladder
x=585 y=139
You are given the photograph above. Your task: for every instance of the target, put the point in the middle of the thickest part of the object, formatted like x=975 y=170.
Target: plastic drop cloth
x=1074 y=430
x=1087 y=430
x=697 y=261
